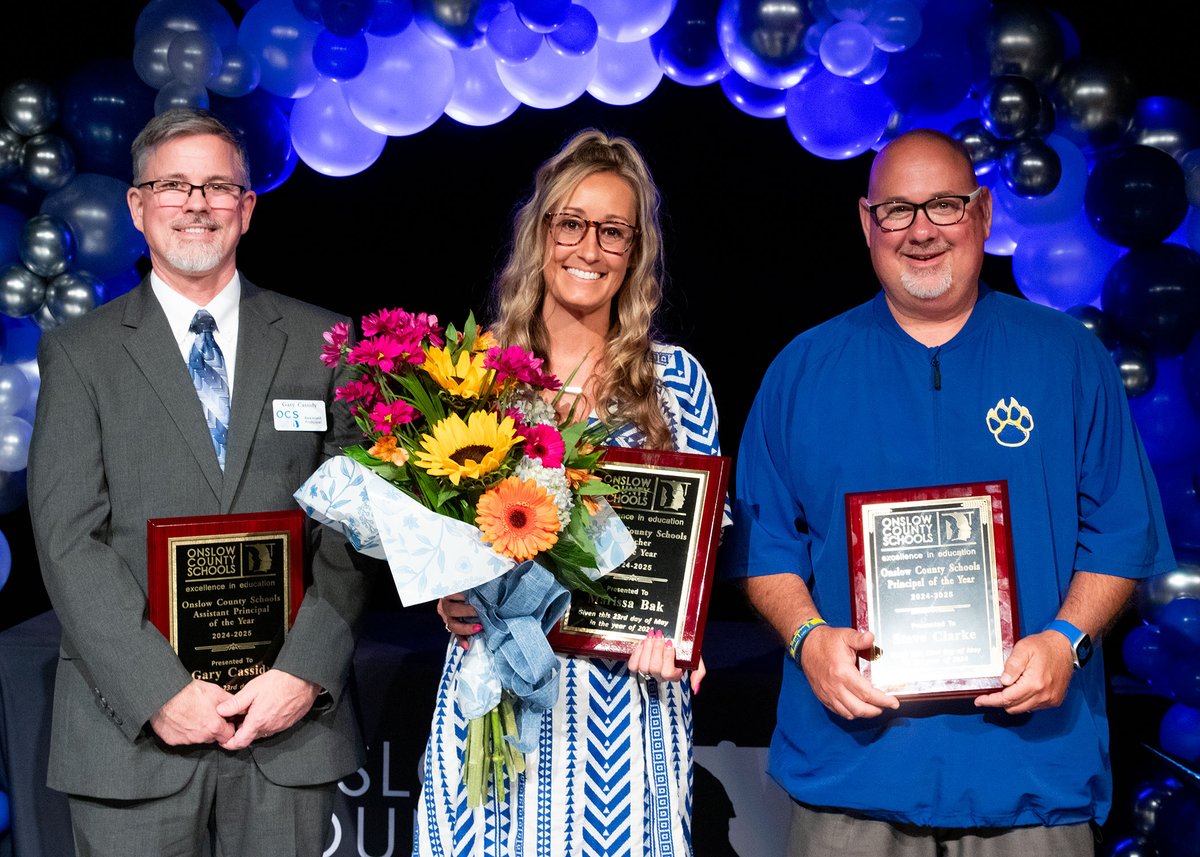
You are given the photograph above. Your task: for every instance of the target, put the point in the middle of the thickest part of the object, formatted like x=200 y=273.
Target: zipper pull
x=937 y=371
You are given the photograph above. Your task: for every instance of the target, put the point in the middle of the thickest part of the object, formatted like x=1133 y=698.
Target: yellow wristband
x=798 y=637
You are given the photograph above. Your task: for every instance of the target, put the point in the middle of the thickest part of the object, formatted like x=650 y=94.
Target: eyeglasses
x=894 y=215
x=171 y=193
x=568 y=230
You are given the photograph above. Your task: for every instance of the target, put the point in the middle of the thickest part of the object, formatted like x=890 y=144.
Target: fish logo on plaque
x=225 y=589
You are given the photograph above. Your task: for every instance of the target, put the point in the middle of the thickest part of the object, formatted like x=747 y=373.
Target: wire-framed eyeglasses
x=568 y=229
x=172 y=193
x=896 y=214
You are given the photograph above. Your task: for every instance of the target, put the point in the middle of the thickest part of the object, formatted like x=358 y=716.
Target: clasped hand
x=205 y=713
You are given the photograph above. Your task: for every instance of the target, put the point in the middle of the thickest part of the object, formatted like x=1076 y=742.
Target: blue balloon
x=95 y=207
x=895 y=25
x=1167 y=423
x=1006 y=231
x=1191 y=371
x=752 y=99
x=577 y=35
x=1135 y=196
x=764 y=42
x=936 y=73
x=846 y=48
x=281 y=40
x=310 y=9
x=239 y=73
x=1065 y=201
x=837 y=118
x=1179 y=732
x=406 y=85
x=5 y=812
x=510 y=40
x=328 y=137
x=686 y=46
x=626 y=72
x=260 y=118
x=629 y=20
x=1165 y=123
x=194 y=58
x=1063 y=264
x=549 y=80
x=1184 y=680
x=119 y=284
x=1181 y=504
x=12 y=222
x=183 y=16
x=105 y=105
x=876 y=68
x=544 y=16
x=1145 y=655
x=1180 y=623
x=340 y=57
x=453 y=23
x=347 y=18
x=1154 y=293
x=20 y=339
x=178 y=95
x=5 y=569
x=150 y=57
x=479 y=97
x=391 y=17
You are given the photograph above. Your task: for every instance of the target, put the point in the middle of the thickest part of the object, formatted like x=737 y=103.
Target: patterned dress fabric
x=206 y=363
x=612 y=772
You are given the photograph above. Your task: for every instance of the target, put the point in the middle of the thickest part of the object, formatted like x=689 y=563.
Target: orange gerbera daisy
x=518 y=518
x=385 y=449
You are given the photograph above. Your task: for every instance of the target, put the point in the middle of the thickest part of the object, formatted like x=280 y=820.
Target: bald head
x=922 y=144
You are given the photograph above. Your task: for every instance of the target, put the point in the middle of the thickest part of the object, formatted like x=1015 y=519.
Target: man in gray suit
x=156 y=762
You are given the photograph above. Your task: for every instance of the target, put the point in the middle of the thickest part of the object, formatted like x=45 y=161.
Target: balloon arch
x=1097 y=191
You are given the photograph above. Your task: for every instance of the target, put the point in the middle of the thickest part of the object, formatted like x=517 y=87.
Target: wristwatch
x=1081 y=643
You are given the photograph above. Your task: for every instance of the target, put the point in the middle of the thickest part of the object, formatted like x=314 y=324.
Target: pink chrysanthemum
x=403 y=325
x=387 y=415
x=545 y=443
x=358 y=391
x=383 y=351
x=516 y=362
x=516 y=416
x=335 y=338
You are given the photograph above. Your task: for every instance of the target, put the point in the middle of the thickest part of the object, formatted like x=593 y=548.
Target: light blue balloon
x=895 y=25
x=15 y=434
x=328 y=137
x=194 y=58
x=1062 y=265
x=281 y=41
x=629 y=20
x=479 y=98
x=836 y=118
x=1062 y=203
x=626 y=72
x=1006 y=232
x=150 y=57
x=406 y=85
x=239 y=73
x=849 y=10
x=543 y=16
x=846 y=48
x=510 y=40
x=752 y=99
x=14 y=389
x=549 y=80
x=106 y=241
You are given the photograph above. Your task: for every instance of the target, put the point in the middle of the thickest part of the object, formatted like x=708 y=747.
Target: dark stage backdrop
x=762 y=238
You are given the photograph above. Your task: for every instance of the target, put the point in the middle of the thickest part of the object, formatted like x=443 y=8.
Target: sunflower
x=470 y=449
x=466 y=378
x=518 y=519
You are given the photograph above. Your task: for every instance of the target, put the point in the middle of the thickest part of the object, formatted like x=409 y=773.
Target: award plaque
x=672 y=504
x=225 y=589
x=931 y=577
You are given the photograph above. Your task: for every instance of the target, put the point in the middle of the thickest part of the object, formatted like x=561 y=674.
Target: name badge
x=299 y=415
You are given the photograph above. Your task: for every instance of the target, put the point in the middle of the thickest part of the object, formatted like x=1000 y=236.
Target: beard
x=927 y=285
x=195 y=257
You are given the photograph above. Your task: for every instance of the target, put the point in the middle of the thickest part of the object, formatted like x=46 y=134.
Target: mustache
x=930 y=250
x=195 y=220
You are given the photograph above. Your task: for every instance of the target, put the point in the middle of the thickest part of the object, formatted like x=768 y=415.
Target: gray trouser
x=833 y=833
x=228 y=802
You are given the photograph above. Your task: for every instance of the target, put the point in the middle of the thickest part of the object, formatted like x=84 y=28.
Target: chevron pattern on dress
x=608 y=791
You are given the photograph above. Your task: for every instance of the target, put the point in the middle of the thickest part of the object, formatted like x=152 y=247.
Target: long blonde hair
x=627 y=387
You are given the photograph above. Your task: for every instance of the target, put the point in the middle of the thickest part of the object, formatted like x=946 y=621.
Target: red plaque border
x=949 y=686
x=710 y=509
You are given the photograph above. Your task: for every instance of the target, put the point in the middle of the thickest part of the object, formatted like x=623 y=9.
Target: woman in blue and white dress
x=612 y=771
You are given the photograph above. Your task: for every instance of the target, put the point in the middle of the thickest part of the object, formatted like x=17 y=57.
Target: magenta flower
x=403 y=325
x=335 y=338
x=387 y=415
x=383 y=351
x=516 y=362
x=358 y=391
x=544 y=442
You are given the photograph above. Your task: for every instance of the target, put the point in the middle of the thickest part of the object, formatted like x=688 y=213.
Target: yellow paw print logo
x=1010 y=422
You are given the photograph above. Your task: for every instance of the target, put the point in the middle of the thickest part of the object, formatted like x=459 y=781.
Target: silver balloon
x=1025 y=39
x=1137 y=367
x=1094 y=103
x=29 y=107
x=1096 y=321
x=49 y=162
x=12 y=150
x=150 y=57
x=179 y=95
x=1031 y=168
x=1135 y=847
x=73 y=294
x=1147 y=807
x=44 y=319
x=1191 y=175
x=1012 y=107
x=14 y=389
x=982 y=146
x=194 y=58
x=47 y=245
x=15 y=434
x=1154 y=593
x=22 y=292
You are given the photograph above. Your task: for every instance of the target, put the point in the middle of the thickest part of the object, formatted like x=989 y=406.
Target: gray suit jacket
x=121 y=438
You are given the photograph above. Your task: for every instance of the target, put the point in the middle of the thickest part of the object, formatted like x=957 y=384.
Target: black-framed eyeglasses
x=897 y=214
x=568 y=229
x=170 y=193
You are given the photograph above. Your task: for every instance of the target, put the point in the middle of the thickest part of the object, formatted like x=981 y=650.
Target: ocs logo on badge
x=1010 y=422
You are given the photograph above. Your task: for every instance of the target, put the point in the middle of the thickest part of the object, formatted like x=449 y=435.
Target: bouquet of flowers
x=476 y=478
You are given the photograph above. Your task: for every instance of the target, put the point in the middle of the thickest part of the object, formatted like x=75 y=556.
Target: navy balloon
x=1095 y=320
x=1168 y=425
x=754 y=100
x=259 y=117
x=1154 y=294
x=1179 y=732
x=346 y=17
x=11 y=224
x=239 y=73
x=935 y=74
x=94 y=206
x=1135 y=196
x=185 y=16
x=1166 y=123
x=1191 y=371
x=21 y=336
x=1024 y=39
x=340 y=57
x=105 y=105
x=1180 y=623
x=1145 y=655
x=686 y=47
x=391 y=17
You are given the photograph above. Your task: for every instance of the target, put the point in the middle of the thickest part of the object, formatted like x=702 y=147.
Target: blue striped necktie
x=206 y=364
